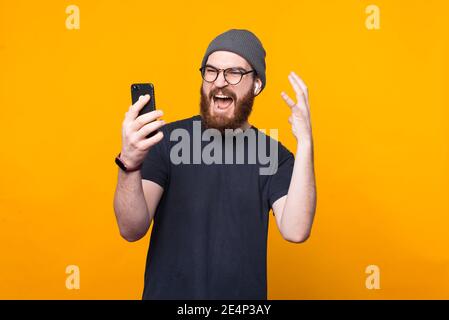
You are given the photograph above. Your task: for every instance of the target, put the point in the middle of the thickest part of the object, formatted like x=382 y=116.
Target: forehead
x=226 y=59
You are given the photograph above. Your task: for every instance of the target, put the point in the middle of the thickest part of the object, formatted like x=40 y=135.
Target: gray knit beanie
x=244 y=43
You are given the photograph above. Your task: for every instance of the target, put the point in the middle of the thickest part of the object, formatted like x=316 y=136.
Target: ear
x=257 y=86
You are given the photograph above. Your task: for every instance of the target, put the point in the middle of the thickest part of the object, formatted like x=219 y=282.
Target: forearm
x=299 y=209
x=130 y=206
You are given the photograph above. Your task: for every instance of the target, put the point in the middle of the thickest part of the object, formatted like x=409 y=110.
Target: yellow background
x=379 y=104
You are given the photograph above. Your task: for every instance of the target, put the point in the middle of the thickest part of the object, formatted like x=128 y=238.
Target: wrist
x=125 y=164
x=304 y=142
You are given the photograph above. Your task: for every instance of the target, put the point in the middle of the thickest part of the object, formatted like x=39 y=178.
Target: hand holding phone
x=142 y=89
x=140 y=126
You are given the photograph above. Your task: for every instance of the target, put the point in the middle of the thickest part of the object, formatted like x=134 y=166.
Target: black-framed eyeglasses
x=232 y=75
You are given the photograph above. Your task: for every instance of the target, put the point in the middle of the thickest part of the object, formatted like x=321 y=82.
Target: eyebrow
x=240 y=68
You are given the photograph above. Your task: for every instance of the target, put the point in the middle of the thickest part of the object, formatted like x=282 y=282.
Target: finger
x=147 y=143
x=136 y=107
x=295 y=84
x=299 y=93
x=145 y=118
x=149 y=128
x=302 y=85
x=287 y=99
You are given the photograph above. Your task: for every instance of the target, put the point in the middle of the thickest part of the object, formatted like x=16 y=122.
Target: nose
x=220 y=82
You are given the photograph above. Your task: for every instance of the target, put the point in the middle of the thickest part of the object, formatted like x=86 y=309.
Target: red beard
x=242 y=110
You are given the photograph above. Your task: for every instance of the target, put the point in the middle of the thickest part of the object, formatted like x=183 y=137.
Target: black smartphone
x=141 y=89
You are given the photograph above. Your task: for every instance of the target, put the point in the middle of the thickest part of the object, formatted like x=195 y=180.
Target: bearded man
x=209 y=237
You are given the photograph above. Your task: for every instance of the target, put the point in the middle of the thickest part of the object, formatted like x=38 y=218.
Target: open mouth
x=222 y=101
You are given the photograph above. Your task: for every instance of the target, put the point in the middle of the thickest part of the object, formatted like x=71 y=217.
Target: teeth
x=220 y=96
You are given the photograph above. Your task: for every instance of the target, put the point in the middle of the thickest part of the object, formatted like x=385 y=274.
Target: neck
x=245 y=126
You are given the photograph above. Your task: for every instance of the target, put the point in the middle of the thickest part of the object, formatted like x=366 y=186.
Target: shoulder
x=274 y=145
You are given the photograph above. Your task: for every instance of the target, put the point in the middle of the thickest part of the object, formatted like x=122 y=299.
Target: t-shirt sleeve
x=280 y=181
x=156 y=166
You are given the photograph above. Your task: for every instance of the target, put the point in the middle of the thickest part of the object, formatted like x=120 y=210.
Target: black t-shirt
x=209 y=237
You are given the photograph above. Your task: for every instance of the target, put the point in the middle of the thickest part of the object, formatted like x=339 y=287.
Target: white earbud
x=256 y=88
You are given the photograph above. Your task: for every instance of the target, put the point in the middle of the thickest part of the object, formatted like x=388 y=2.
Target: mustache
x=223 y=92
